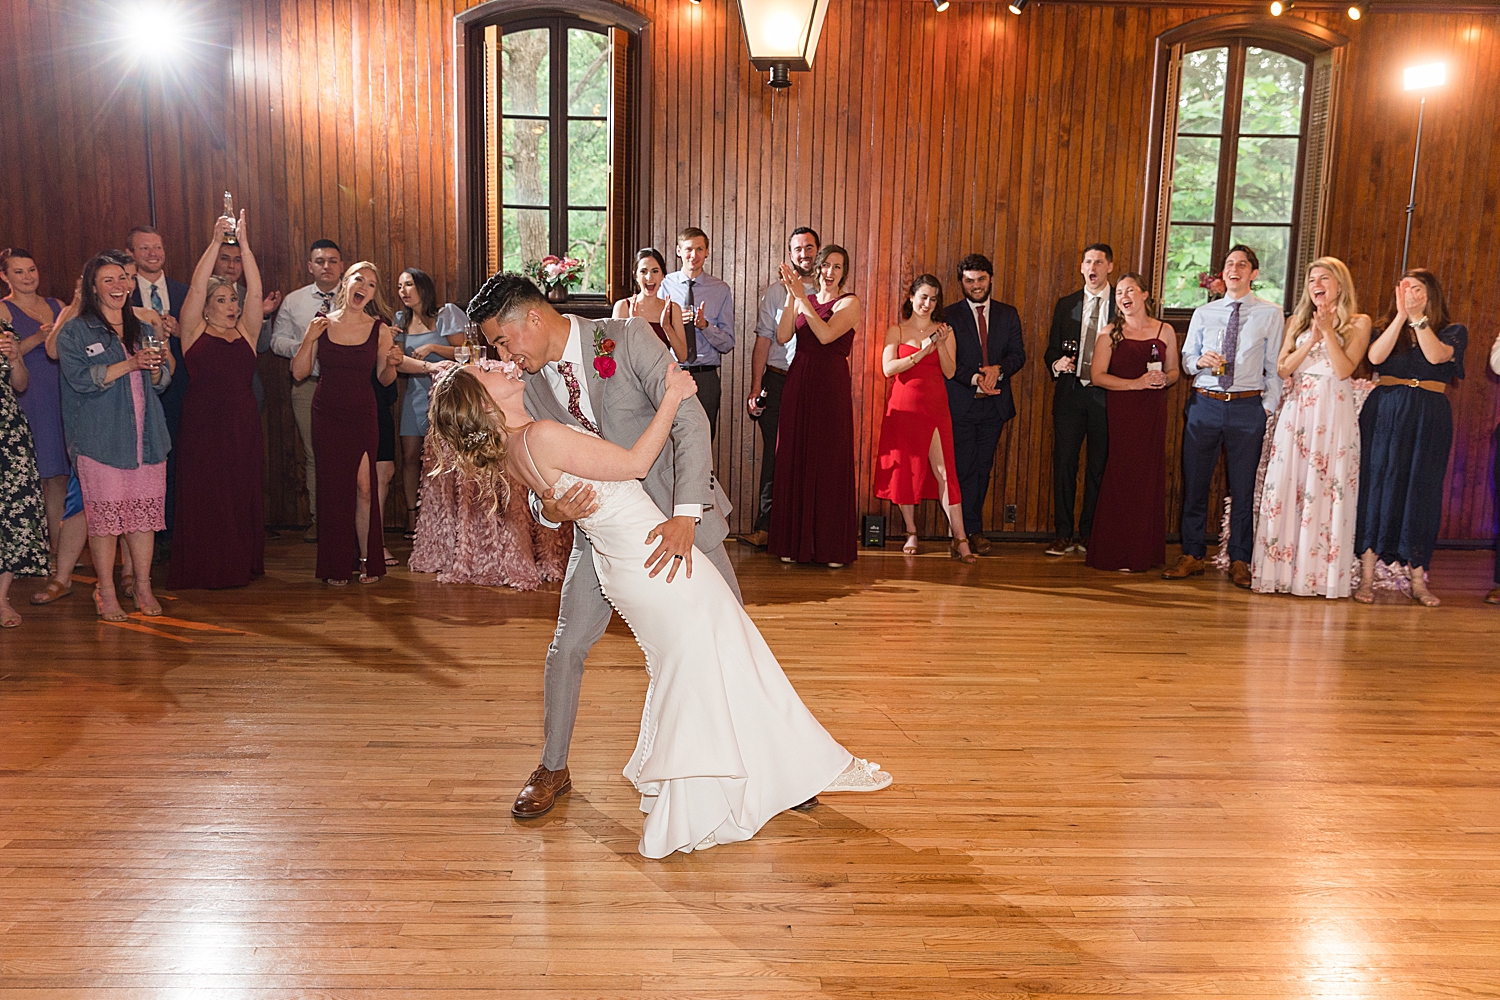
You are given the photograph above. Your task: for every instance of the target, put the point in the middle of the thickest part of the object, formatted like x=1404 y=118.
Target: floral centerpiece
x=1212 y=282
x=555 y=275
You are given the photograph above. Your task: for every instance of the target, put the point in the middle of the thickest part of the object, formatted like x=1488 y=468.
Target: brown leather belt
x=1225 y=396
x=1415 y=383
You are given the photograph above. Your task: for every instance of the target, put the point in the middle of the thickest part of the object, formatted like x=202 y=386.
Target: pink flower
x=550 y=259
x=605 y=367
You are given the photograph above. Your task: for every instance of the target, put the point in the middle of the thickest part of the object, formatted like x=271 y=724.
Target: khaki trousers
x=302 y=401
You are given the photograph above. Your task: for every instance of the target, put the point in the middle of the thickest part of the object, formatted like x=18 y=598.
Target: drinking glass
x=461 y=353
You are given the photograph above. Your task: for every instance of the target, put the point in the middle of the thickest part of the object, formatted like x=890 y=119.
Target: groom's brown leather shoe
x=1186 y=566
x=1239 y=574
x=540 y=793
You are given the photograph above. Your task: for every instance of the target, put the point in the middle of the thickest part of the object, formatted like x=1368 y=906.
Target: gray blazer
x=624 y=406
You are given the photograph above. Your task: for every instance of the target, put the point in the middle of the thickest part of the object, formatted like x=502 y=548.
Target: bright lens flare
x=1423 y=77
x=155 y=31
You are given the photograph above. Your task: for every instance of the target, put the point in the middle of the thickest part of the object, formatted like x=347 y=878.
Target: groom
x=606 y=376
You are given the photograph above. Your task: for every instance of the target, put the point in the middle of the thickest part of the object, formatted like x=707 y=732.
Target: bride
x=725 y=743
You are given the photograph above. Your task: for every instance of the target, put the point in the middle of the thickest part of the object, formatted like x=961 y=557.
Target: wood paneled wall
x=918 y=137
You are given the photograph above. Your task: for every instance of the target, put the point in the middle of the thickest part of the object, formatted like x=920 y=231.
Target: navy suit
x=171 y=397
x=977 y=423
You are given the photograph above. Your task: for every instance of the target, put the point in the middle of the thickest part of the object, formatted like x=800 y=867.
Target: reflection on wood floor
x=1104 y=783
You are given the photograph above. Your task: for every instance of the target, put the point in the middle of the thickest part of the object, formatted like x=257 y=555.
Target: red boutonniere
x=604 y=347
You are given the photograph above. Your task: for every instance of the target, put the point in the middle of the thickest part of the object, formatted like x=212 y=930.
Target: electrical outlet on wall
x=1010 y=513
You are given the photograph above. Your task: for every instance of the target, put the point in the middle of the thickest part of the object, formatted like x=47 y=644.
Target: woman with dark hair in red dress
x=915 y=457
x=812 y=506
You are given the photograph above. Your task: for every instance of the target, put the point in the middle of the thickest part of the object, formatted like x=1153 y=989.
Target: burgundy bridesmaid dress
x=219 y=538
x=1130 y=521
x=812 y=501
x=344 y=431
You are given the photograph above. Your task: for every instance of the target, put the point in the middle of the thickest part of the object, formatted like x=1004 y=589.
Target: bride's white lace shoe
x=860 y=776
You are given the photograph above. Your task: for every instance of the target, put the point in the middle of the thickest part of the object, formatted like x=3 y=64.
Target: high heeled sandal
x=153 y=611
x=415 y=512
x=910 y=548
x=860 y=776
x=364 y=577
x=954 y=553
x=118 y=616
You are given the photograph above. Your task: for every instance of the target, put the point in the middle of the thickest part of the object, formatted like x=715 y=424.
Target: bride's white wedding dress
x=725 y=743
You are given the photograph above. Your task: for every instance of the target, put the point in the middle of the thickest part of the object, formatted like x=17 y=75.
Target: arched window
x=548 y=135
x=1244 y=104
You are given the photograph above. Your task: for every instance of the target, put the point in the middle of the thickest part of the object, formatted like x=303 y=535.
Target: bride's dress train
x=725 y=742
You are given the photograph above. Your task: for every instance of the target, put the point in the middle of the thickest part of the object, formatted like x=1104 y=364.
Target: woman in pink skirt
x=112 y=372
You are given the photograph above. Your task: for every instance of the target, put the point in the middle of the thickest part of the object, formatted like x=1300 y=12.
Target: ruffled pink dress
x=462 y=541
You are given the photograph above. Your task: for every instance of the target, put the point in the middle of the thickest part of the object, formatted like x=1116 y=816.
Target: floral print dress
x=23 y=543
x=1304 y=532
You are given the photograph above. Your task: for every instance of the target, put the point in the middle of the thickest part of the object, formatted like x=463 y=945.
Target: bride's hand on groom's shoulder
x=680 y=383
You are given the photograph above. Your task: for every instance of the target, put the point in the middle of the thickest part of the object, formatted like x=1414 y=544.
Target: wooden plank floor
x=1105 y=784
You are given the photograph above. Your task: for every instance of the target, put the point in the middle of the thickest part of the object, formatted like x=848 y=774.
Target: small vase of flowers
x=555 y=275
x=1212 y=282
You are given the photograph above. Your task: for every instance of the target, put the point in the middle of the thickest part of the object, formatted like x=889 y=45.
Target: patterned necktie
x=1231 y=347
x=575 y=397
x=326 y=298
x=155 y=299
x=1085 y=365
x=691 y=326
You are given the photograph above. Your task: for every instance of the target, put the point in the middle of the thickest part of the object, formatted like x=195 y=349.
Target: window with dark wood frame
x=552 y=157
x=1242 y=109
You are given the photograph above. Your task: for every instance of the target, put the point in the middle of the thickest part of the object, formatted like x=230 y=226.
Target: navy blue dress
x=1405 y=435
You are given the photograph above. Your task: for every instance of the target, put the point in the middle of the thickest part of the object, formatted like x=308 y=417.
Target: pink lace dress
x=121 y=501
x=462 y=541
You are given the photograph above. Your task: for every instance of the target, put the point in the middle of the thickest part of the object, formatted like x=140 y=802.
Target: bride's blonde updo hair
x=469 y=432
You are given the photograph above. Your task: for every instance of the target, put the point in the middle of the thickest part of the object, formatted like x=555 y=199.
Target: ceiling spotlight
x=1016 y=6
x=1357 y=11
x=1278 y=7
x=941 y=5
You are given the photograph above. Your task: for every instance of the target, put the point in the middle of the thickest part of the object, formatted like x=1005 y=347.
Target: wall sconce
x=1017 y=6
x=1278 y=7
x=782 y=35
x=1357 y=11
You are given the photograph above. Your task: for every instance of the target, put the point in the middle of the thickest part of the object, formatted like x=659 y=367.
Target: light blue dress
x=450 y=320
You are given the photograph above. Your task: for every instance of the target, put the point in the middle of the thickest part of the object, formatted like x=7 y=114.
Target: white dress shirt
x=160 y=284
x=1089 y=300
x=1261 y=327
x=573 y=354
x=292 y=319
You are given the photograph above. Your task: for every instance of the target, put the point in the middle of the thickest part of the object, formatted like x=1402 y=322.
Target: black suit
x=171 y=397
x=1077 y=413
x=977 y=423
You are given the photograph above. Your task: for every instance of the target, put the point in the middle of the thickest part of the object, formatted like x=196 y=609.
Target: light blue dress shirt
x=1261 y=327
x=717 y=300
x=772 y=304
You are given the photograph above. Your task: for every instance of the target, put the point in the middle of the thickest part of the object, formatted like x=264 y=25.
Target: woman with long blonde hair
x=1304 y=536
x=349 y=345
x=1406 y=430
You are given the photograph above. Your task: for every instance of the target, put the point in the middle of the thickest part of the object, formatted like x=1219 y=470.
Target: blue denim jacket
x=99 y=419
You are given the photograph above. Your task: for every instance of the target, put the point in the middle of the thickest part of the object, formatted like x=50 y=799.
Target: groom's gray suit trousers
x=581 y=621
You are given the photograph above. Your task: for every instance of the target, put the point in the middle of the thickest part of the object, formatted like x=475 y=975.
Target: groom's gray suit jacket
x=625 y=403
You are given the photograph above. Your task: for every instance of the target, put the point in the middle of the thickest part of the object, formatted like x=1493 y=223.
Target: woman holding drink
x=112 y=372
x=1135 y=359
